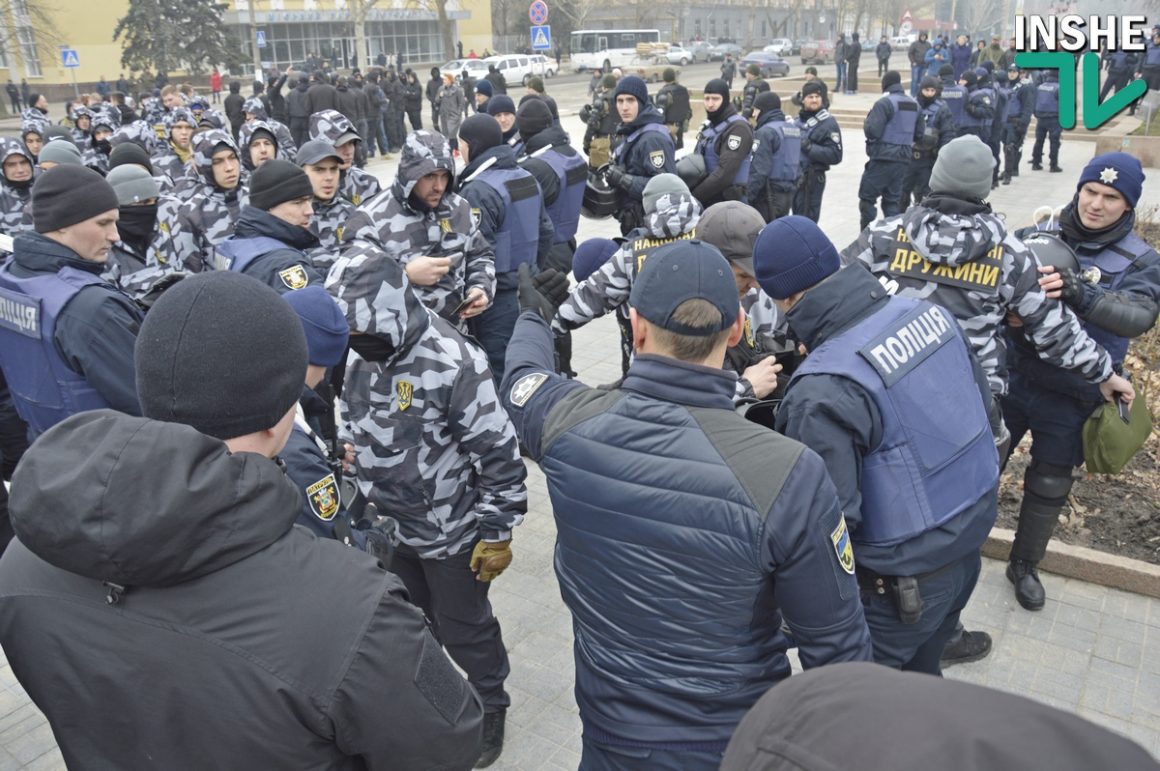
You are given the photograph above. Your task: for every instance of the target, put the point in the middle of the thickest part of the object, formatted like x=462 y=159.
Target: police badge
x=842 y=546
x=657 y=159
x=294 y=277
x=525 y=387
x=733 y=142
x=323 y=498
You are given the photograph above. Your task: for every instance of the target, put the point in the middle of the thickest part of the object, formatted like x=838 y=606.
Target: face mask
x=137 y=223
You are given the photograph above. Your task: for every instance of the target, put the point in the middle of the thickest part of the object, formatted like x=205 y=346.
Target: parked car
x=781 y=46
x=475 y=67
x=650 y=70
x=902 y=42
x=678 y=54
x=818 y=52
x=700 y=50
x=515 y=68
x=543 y=66
x=797 y=45
x=717 y=53
x=772 y=65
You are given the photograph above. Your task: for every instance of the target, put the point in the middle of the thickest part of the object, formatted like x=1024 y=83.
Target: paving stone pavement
x=1092 y=650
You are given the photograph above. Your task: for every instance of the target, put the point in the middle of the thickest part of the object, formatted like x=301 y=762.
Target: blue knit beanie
x=792 y=254
x=323 y=323
x=483 y=87
x=633 y=86
x=1118 y=170
x=590 y=255
x=500 y=103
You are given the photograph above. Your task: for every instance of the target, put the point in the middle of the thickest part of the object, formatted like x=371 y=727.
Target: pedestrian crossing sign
x=69 y=58
x=542 y=38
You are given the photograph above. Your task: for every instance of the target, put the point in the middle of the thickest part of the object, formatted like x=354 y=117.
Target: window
x=25 y=38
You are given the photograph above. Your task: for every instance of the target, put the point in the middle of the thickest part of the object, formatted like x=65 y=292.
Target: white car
x=515 y=68
x=782 y=46
x=543 y=66
x=678 y=54
x=475 y=67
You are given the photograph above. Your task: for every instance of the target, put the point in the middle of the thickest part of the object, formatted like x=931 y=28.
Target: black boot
x=1006 y=177
x=1045 y=489
x=1028 y=591
x=1036 y=166
x=492 y=738
x=1018 y=160
x=1055 y=169
x=965 y=647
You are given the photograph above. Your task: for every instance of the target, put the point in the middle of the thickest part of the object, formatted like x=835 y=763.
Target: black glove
x=1072 y=292
x=586 y=113
x=617 y=178
x=543 y=292
x=806 y=145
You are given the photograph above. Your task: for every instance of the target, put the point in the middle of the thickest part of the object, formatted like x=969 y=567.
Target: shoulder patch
x=525 y=387
x=323 y=498
x=750 y=340
x=844 y=550
x=836 y=137
x=657 y=159
x=405 y=392
x=476 y=217
x=733 y=142
x=445 y=224
x=294 y=277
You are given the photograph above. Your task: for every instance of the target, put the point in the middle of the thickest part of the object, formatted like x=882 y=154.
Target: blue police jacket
x=646 y=149
x=956 y=98
x=934 y=130
x=508 y=202
x=270 y=250
x=684 y=535
x=66 y=335
x=979 y=110
x=891 y=125
x=775 y=161
x=891 y=398
x=1047 y=99
x=1151 y=53
x=825 y=139
x=572 y=173
x=707 y=146
x=1019 y=105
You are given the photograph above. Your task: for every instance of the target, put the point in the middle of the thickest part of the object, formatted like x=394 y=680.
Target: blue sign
x=261 y=35
x=542 y=38
x=69 y=58
x=538 y=12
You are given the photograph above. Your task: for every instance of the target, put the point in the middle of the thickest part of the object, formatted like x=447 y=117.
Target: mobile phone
x=455 y=257
x=462 y=306
x=1122 y=406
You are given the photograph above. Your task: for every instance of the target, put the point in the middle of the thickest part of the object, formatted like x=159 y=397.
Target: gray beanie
x=132 y=184
x=964 y=169
x=60 y=152
x=662 y=185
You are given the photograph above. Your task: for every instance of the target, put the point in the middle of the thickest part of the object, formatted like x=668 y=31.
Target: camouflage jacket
x=434 y=447
x=13 y=199
x=960 y=256
x=206 y=217
x=287 y=150
x=390 y=224
x=328 y=223
x=609 y=286
x=356 y=185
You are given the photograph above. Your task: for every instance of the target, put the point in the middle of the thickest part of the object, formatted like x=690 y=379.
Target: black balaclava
x=718 y=86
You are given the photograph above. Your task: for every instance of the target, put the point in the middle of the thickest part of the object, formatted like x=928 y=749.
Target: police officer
x=601 y=120
x=892 y=127
x=998 y=117
x=1149 y=62
x=954 y=94
x=1116 y=294
x=1047 y=121
x=878 y=421
x=561 y=173
x=67 y=336
x=1017 y=117
x=503 y=109
x=776 y=165
x=938 y=128
x=645 y=150
x=509 y=206
x=434 y=449
x=1120 y=66
x=273 y=233
x=821 y=148
x=16 y=178
x=673 y=100
x=754 y=85
x=725 y=142
x=978 y=108
x=321 y=162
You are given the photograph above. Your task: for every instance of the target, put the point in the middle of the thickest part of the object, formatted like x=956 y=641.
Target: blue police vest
x=572 y=172
x=787 y=159
x=1113 y=263
x=707 y=146
x=44 y=390
x=621 y=151
x=1014 y=107
x=978 y=95
x=518 y=238
x=236 y=254
x=937 y=455
x=1119 y=61
x=1047 y=98
x=900 y=128
x=956 y=99
x=928 y=144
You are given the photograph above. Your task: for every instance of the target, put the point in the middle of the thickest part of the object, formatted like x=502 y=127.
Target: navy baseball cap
x=685 y=270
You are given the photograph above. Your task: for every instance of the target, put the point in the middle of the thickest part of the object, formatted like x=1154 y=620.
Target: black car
x=772 y=65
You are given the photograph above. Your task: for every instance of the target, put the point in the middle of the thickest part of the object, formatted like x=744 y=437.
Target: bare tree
x=27 y=25
x=578 y=11
x=979 y=14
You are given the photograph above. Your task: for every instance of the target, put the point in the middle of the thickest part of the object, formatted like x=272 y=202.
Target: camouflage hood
x=675 y=215
x=330 y=125
x=254 y=106
x=376 y=298
x=211 y=119
x=34 y=117
x=952 y=234
x=36 y=127
x=105 y=119
x=179 y=115
x=424 y=152
x=246 y=135
x=138 y=132
x=10 y=146
x=204 y=145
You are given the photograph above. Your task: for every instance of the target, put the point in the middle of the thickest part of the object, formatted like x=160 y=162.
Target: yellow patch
x=323 y=498
x=338 y=231
x=445 y=225
x=294 y=277
x=404 y=390
x=749 y=338
x=842 y=546
x=356 y=199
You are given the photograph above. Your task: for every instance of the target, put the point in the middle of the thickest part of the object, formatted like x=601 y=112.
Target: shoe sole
x=1018 y=599
x=944 y=663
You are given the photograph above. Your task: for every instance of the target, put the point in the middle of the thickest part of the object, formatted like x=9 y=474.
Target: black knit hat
x=278 y=181
x=969 y=78
x=222 y=352
x=718 y=86
x=129 y=152
x=480 y=132
x=813 y=87
x=766 y=101
x=66 y=194
x=533 y=117
x=891 y=78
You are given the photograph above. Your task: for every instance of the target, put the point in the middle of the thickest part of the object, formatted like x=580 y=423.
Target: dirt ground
x=1117 y=513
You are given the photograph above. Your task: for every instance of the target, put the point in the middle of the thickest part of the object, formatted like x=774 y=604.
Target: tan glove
x=488 y=560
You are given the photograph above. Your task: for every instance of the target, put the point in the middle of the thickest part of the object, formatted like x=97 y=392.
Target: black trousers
x=807 y=200
x=461 y=618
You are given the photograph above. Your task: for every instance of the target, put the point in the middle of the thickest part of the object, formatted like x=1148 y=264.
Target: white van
x=515 y=68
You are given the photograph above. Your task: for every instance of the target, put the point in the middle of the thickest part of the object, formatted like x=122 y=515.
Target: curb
x=1084 y=564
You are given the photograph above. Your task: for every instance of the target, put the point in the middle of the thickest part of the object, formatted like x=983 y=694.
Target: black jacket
x=184 y=620
x=297 y=106
x=281 y=269
x=497 y=81
x=552 y=136
x=321 y=96
x=719 y=185
x=350 y=104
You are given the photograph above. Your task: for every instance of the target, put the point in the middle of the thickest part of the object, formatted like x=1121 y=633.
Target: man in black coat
x=233 y=106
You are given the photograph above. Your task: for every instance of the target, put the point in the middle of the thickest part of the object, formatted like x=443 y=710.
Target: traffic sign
x=538 y=12
x=261 y=35
x=542 y=38
x=69 y=58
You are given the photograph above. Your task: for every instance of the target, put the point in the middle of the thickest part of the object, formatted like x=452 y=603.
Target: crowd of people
x=263 y=415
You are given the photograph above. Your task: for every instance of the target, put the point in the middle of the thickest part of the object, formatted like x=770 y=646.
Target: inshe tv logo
x=1050 y=42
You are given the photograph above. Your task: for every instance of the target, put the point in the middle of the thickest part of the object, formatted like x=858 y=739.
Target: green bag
x=1109 y=442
